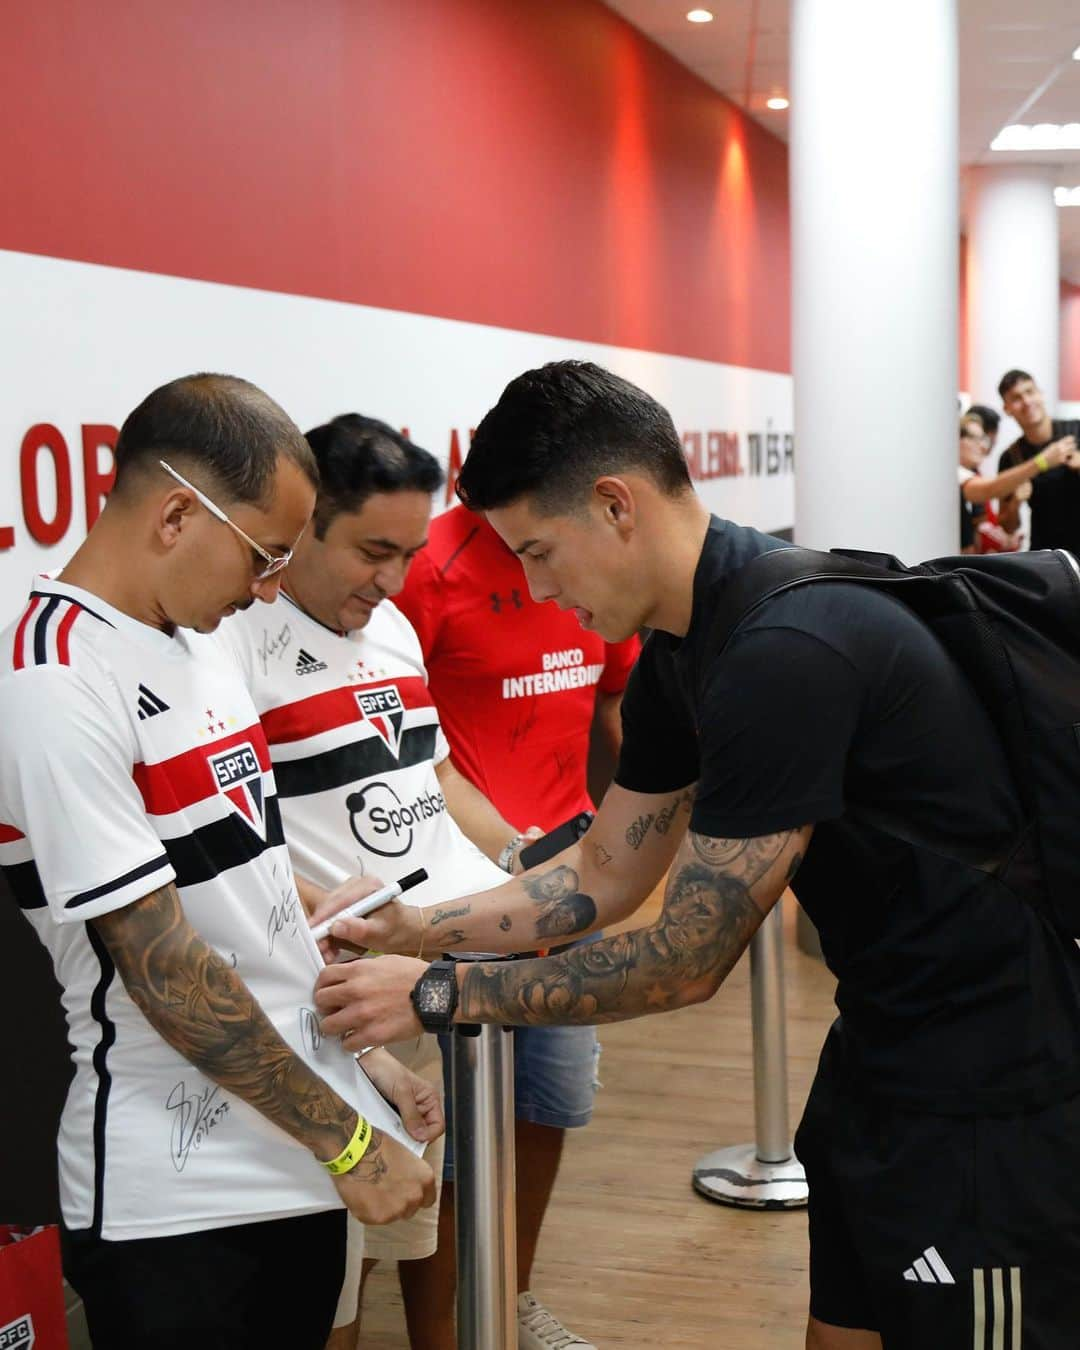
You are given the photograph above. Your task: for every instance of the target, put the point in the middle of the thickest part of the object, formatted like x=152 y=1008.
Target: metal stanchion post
x=765 y=1174
x=482 y=1082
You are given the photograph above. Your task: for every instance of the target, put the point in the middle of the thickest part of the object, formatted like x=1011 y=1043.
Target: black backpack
x=1012 y=623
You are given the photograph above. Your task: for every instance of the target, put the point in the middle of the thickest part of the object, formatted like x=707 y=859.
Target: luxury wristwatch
x=435 y=996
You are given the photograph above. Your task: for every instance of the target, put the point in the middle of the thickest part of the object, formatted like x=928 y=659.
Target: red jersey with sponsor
x=515 y=682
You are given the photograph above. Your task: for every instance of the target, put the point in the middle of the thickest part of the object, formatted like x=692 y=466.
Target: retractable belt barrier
x=482 y=1084
x=765 y=1174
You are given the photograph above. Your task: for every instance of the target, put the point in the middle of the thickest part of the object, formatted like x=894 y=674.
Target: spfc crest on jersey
x=239 y=779
x=385 y=711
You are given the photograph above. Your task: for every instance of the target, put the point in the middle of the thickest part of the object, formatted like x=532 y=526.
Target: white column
x=874 y=201
x=1013 y=288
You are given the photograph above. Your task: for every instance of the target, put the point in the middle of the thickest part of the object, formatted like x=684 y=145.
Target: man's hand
x=394 y=928
x=331 y=902
x=416 y=1101
x=1062 y=452
x=387 y=1184
x=367 y=1002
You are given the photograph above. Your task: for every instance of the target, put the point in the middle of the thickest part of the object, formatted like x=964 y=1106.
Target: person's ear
x=615 y=499
x=174 y=516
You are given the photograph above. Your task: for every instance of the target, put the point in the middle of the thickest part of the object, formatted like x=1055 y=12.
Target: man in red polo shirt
x=517 y=686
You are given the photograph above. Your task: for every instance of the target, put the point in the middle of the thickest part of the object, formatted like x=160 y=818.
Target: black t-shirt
x=833 y=705
x=1055 y=494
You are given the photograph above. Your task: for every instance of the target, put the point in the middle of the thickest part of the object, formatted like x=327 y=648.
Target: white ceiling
x=1015 y=66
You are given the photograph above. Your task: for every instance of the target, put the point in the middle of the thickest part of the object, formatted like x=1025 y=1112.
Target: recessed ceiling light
x=700 y=16
x=1076 y=54
x=777 y=104
x=1041 y=136
x=1064 y=196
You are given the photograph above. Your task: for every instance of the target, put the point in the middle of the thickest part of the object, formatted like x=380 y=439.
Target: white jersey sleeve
x=66 y=783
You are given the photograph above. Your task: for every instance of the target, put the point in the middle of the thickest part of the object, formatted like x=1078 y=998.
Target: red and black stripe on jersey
x=174 y=785
x=357 y=760
x=43 y=634
x=168 y=788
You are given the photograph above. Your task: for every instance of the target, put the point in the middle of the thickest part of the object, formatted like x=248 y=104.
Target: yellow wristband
x=353 y=1151
x=1041 y=461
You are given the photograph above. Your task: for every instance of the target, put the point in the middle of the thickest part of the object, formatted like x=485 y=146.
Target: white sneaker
x=539 y=1330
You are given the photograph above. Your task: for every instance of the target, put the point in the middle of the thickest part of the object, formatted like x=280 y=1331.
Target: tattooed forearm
x=564 y=910
x=203 y=1009
x=706 y=923
x=635 y=835
x=449 y=937
x=442 y=915
x=710 y=913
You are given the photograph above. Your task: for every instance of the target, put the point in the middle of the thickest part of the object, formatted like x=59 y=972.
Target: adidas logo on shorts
x=929 y=1269
x=306 y=664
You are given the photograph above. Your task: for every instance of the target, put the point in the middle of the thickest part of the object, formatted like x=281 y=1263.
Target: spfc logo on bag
x=385 y=711
x=239 y=779
x=18 y=1335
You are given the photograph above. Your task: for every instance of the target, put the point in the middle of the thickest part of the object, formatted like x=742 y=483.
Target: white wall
x=83 y=344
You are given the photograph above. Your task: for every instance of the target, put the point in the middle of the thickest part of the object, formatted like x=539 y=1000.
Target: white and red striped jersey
x=354 y=739
x=130 y=758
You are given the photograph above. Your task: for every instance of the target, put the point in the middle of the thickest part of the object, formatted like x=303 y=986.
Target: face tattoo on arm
x=718 y=892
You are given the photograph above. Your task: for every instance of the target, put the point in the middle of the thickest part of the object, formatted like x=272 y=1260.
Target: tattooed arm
x=602 y=878
x=718 y=893
x=201 y=1007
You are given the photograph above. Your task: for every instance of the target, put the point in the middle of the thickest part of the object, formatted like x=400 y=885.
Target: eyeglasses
x=273 y=564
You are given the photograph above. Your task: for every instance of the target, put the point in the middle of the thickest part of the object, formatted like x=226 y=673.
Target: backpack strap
x=768 y=575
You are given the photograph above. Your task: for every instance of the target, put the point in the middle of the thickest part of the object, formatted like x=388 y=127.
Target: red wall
x=535 y=164
x=1070 y=342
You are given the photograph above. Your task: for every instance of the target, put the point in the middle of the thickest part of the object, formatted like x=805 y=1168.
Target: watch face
x=435 y=993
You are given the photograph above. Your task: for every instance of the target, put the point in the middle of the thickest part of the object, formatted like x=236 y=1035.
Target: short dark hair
x=990 y=419
x=557 y=429
x=220 y=423
x=1010 y=378
x=358 y=457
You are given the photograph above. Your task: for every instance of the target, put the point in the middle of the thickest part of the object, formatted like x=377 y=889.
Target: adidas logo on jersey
x=929 y=1269
x=306 y=664
x=149 y=704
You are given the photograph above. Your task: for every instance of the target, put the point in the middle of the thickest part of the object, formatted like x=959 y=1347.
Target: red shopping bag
x=31 y=1290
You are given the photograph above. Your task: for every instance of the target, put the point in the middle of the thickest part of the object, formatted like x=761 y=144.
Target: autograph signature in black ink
x=282 y=916
x=194 y=1117
x=274 y=644
x=310 y=1030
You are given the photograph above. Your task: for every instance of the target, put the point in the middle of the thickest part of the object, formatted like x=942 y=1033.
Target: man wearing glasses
x=210 y=1136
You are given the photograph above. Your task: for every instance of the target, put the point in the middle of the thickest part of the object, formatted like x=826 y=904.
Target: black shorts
x=250 y=1286
x=943 y=1232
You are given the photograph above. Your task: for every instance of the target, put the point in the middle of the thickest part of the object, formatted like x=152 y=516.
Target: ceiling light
x=1064 y=196
x=777 y=104
x=1041 y=136
x=700 y=16
x=1076 y=54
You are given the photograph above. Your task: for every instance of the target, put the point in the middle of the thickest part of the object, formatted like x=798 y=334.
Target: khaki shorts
x=408 y=1239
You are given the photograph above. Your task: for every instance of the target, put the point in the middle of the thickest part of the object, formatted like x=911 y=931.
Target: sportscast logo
x=383 y=824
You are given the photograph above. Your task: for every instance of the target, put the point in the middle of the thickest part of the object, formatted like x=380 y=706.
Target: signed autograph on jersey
x=193 y=1117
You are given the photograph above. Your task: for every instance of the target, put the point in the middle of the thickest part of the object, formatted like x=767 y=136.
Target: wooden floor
x=629 y=1254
